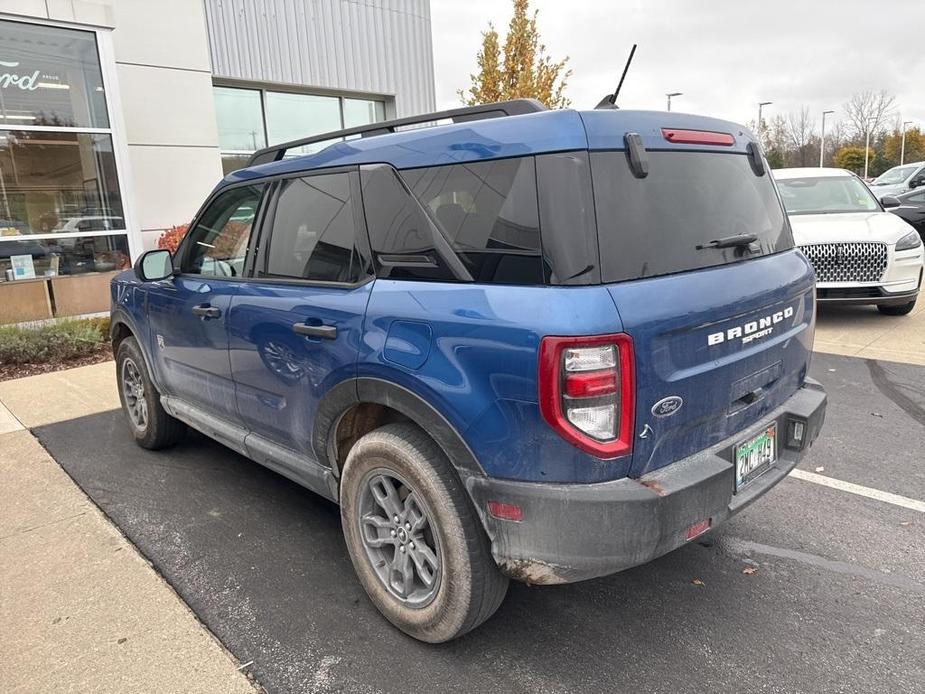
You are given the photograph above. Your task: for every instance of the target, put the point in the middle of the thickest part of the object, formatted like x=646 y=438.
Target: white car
x=899 y=179
x=861 y=253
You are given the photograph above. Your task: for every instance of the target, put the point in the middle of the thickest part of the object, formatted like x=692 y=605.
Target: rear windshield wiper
x=730 y=241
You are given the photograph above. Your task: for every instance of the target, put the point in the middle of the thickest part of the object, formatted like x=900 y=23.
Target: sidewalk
x=861 y=331
x=80 y=609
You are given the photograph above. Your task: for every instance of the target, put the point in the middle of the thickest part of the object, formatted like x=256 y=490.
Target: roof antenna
x=610 y=101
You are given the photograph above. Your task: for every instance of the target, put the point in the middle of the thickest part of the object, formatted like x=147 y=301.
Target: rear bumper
x=576 y=532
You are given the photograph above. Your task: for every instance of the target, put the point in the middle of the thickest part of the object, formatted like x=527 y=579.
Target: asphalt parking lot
x=837 y=602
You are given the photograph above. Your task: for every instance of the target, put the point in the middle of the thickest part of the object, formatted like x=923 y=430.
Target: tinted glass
x=240 y=119
x=217 y=245
x=53 y=256
x=488 y=213
x=50 y=76
x=58 y=182
x=400 y=233
x=314 y=234
x=567 y=218
x=826 y=195
x=652 y=226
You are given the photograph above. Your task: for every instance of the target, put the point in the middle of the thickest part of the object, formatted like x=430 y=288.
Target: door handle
x=328 y=332
x=206 y=311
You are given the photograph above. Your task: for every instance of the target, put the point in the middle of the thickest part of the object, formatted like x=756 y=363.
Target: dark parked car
x=529 y=344
x=912 y=209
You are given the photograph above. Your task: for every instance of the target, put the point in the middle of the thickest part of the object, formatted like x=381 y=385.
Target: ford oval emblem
x=667 y=406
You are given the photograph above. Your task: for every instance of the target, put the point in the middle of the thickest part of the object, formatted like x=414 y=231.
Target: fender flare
x=352 y=392
x=120 y=317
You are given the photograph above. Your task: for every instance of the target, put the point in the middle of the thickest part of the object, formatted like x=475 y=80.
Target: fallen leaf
x=821 y=468
x=749 y=570
x=877 y=414
x=697 y=582
x=905 y=523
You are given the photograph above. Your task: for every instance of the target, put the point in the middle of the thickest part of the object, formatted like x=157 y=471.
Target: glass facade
x=249 y=119
x=61 y=210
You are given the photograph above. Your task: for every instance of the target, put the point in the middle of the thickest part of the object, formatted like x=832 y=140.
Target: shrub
x=171 y=238
x=59 y=341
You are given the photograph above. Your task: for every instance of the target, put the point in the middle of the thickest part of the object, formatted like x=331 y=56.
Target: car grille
x=847 y=262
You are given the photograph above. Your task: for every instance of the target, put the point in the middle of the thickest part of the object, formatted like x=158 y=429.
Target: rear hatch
x=726 y=328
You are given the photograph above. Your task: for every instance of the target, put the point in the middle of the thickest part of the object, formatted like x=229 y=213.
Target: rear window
x=654 y=225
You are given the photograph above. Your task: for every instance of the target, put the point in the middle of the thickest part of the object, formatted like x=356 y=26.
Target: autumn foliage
x=520 y=69
x=171 y=238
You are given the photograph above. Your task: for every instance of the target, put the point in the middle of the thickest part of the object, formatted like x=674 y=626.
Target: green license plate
x=755 y=456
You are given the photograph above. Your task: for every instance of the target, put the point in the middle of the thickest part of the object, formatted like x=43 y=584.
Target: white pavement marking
x=852 y=488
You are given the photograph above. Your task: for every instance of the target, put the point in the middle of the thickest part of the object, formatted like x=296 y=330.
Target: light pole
x=867 y=146
x=761 y=104
x=902 y=148
x=822 y=139
x=671 y=95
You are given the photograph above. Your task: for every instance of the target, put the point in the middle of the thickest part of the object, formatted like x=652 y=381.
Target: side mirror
x=917 y=181
x=154 y=265
x=889 y=201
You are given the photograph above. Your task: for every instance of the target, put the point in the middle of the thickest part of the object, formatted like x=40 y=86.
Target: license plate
x=755 y=456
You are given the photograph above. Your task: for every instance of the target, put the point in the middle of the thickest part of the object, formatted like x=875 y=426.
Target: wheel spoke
x=413 y=513
x=376 y=531
x=425 y=561
x=383 y=489
x=402 y=574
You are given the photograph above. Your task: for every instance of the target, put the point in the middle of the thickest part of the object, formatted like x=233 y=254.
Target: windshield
x=826 y=195
x=897 y=174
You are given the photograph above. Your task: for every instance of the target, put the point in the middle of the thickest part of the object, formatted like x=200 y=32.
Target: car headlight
x=909 y=241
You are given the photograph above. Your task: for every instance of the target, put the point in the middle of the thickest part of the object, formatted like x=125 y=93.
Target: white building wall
x=165 y=80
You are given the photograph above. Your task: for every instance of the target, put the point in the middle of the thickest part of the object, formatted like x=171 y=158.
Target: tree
x=867 y=112
x=915 y=146
x=524 y=72
x=801 y=131
x=851 y=158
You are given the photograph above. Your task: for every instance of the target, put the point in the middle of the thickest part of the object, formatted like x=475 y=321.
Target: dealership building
x=117 y=117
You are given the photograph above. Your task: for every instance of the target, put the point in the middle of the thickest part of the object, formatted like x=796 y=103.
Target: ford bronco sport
x=529 y=344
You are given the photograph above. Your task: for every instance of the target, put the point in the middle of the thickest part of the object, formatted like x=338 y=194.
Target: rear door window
x=316 y=229
x=654 y=225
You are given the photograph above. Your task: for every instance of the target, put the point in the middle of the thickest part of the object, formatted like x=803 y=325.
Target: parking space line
x=851 y=488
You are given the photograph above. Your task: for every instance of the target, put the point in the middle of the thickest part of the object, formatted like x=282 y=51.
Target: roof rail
x=515 y=107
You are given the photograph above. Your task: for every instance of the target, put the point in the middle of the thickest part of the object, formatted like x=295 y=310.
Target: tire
x=901 y=310
x=154 y=428
x=467 y=586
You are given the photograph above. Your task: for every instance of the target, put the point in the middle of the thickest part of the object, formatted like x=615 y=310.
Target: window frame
x=106 y=56
x=262 y=89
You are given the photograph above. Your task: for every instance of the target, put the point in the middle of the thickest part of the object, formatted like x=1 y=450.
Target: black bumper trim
x=573 y=532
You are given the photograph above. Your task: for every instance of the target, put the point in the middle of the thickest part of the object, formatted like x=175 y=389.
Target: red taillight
x=587 y=391
x=697 y=137
x=697 y=529
x=591 y=384
x=508 y=512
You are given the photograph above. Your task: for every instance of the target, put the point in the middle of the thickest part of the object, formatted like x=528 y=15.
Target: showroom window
x=61 y=209
x=250 y=119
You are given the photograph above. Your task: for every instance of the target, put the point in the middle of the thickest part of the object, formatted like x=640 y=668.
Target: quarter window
x=314 y=234
x=217 y=245
x=488 y=213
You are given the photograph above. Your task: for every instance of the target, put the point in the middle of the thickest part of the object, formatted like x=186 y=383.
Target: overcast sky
x=724 y=55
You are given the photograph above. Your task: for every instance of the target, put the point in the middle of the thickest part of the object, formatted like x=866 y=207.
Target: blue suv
x=529 y=344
